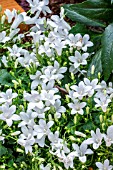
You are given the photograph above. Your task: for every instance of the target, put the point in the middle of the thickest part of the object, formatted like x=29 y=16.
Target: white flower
x=10 y=14
x=79 y=59
x=34 y=100
x=46 y=49
x=58 y=108
x=18 y=19
x=77 y=107
x=13 y=33
x=49 y=97
x=81 y=151
x=104 y=166
x=81 y=90
x=42 y=130
x=2 y=136
x=67 y=159
x=47 y=167
x=80 y=134
x=56 y=142
x=58 y=45
x=3 y=37
x=28 y=59
x=36 y=80
x=109 y=137
x=58 y=23
x=37 y=5
x=37 y=37
x=7 y=97
x=27 y=118
x=84 y=43
x=93 y=84
x=8 y=114
x=53 y=72
x=102 y=102
x=4 y=61
x=49 y=86
x=26 y=139
x=15 y=51
x=110 y=88
x=28 y=20
x=73 y=39
x=41 y=112
x=96 y=139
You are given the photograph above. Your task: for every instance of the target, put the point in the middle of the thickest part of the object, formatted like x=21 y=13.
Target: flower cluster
x=49 y=107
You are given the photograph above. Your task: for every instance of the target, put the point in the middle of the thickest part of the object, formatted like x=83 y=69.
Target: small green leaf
x=107 y=51
x=3 y=150
x=5 y=78
x=96 y=61
x=88 y=125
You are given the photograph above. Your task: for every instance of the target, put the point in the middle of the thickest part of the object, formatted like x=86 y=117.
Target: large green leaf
x=79 y=28
x=90 y=12
x=107 y=51
x=96 y=61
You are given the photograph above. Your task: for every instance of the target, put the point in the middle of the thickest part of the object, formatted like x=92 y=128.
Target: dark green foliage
x=96 y=13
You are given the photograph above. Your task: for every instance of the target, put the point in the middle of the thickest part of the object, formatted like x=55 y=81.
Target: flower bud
x=36 y=146
x=101 y=118
x=67 y=87
x=3 y=19
x=2 y=166
x=99 y=75
x=72 y=76
x=87 y=110
x=75 y=119
x=71 y=50
x=67 y=99
x=63 y=115
x=19 y=150
x=50 y=117
x=15 y=165
x=92 y=69
x=72 y=138
x=112 y=118
x=103 y=126
x=15 y=83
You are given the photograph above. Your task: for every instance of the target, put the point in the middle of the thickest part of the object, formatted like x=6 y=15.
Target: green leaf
x=79 y=28
x=89 y=125
x=3 y=150
x=75 y=16
x=5 y=78
x=111 y=1
x=96 y=61
x=107 y=51
x=90 y=12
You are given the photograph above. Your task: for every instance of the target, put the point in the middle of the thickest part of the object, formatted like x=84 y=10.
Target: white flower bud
x=92 y=69
x=3 y=19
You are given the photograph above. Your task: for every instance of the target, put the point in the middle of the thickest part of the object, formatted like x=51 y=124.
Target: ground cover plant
x=53 y=116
